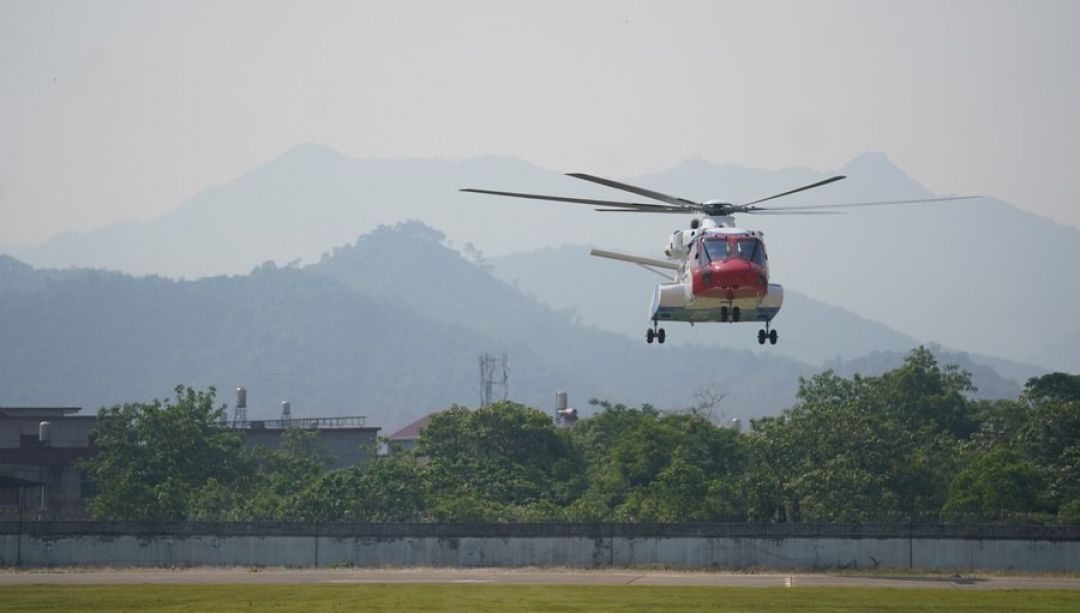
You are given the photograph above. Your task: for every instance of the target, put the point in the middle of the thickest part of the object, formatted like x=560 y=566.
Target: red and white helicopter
x=720 y=271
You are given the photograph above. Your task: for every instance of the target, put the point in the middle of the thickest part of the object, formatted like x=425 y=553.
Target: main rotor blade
x=633 y=189
x=786 y=212
x=801 y=189
x=628 y=205
x=658 y=209
x=854 y=204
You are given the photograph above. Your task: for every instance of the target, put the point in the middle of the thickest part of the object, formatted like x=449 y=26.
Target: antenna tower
x=494 y=378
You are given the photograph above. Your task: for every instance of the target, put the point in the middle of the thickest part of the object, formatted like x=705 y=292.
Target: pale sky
x=119 y=110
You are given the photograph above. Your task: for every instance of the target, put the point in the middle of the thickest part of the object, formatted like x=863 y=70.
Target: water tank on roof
x=45 y=433
x=564 y=416
x=286 y=410
x=241 y=398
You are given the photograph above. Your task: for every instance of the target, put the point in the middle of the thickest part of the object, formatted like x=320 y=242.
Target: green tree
x=861 y=449
x=391 y=490
x=495 y=463
x=287 y=478
x=646 y=466
x=1050 y=436
x=156 y=460
x=383 y=490
x=1054 y=386
x=994 y=486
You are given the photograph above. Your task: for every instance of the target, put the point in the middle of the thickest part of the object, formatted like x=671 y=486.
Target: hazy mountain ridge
x=987 y=381
x=427 y=277
x=979 y=275
x=389 y=326
x=103 y=338
x=92 y=338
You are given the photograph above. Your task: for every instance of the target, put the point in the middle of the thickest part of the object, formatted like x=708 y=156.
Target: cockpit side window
x=751 y=249
x=717 y=249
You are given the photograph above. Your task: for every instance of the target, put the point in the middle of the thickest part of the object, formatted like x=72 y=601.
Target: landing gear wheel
x=772 y=337
x=660 y=336
x=761 y=337
x=649 y=336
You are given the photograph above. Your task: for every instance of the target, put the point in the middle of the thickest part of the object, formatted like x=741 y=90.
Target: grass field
x=413 y=597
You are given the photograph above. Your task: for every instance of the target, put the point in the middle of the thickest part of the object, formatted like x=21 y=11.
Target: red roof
x=411 y=431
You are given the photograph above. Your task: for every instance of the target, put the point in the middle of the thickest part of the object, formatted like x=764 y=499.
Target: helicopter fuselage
x=723 y=277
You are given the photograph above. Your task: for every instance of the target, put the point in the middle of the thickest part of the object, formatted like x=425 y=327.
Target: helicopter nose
x=735 y=278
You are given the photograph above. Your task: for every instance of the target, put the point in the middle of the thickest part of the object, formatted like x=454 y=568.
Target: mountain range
x=389 y=326
x=979 y=275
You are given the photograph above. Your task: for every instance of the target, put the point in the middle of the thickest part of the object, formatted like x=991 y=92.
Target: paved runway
x=522 y=577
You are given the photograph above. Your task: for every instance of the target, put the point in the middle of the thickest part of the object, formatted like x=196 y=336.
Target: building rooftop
x=38 y=411
x=304 y=423
x=412 y=431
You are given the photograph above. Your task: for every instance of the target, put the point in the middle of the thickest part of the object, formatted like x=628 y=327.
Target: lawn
x=427 y=597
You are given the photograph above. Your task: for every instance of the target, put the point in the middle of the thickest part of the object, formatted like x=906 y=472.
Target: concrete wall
x=717 y=546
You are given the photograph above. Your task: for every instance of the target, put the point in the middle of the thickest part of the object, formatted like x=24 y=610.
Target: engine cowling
x=679 y=244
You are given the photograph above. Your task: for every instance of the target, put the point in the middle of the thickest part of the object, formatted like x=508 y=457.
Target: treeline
x=909 y=445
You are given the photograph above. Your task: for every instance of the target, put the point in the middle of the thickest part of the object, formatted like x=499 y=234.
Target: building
x=348 y=440
x=39 y=450
x=405 y=438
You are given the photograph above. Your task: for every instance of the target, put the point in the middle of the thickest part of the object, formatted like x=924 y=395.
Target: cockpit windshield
x=717 y=249
x=751 y=249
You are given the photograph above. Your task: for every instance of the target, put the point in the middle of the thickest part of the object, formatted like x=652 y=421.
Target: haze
x=119 y=110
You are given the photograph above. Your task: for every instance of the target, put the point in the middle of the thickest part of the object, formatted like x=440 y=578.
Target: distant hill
x=979 y=275
x=98 y=338
x=390 y=327
x=987 y=380
x=407 y=265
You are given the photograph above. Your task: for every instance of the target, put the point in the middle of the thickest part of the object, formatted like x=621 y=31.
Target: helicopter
x=715 y=270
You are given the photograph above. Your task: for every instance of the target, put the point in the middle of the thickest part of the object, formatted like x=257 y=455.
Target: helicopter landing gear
x=768 y=334
x=656 y=334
